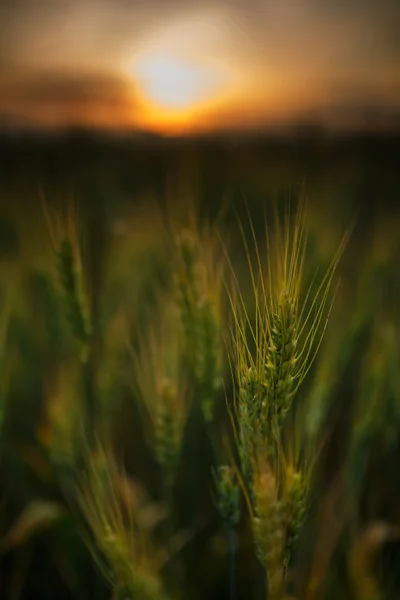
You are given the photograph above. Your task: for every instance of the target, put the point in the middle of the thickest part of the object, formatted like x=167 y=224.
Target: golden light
x=182 y=72
x=176 y=93
x=174 y=84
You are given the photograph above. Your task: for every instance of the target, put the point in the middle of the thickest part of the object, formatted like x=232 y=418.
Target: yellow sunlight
x=173 y=84
x=182 y=72
x=173 y=92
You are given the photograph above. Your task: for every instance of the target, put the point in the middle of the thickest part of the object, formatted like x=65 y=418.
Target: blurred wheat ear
x=119 y=530
x=162 y=386
x=66 y=238
x=198 y=272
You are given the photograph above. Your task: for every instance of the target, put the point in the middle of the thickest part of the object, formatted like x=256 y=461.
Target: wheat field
x=200 y=376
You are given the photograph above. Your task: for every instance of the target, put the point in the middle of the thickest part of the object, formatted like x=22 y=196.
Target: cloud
x=85 y=97
x=58 y=88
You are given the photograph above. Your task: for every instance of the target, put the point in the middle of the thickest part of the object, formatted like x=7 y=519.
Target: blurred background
x=144 y=113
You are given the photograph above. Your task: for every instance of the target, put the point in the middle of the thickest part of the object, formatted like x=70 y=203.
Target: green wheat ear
x=272 y=353
x=287 y=332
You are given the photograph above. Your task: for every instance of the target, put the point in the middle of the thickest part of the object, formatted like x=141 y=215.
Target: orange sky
x=130 y=63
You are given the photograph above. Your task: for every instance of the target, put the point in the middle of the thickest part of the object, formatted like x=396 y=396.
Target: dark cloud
x=57 y=89
x=54 y=99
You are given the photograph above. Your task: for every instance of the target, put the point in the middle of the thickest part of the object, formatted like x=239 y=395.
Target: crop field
x=200 y=369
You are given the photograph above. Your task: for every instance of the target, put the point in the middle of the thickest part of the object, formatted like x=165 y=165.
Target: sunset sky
x=191 y=66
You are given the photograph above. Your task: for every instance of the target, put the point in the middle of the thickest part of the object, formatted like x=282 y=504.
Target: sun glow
x=176 y=94
x=182 y=72
x=174 y=84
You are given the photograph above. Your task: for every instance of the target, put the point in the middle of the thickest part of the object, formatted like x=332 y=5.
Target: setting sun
x=173 y=84
x=183 y=72
x=190 y=67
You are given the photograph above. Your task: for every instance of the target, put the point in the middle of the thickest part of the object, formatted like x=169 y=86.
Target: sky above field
x=191 y=66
